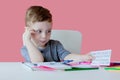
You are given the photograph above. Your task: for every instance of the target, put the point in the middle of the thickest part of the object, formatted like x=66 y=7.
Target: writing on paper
x=101 y=57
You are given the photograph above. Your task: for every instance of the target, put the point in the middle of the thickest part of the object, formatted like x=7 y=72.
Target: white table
x=16 y=71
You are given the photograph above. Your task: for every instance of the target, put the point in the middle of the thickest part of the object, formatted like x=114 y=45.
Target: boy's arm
x=34 y=54
x=66 y=55
x=79 y=57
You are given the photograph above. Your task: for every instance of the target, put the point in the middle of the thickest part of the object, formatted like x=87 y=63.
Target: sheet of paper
x=101 y=57
x=85 y=66
x=47 y=66
x=55 y=65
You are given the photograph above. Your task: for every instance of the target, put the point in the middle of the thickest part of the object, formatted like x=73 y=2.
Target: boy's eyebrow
x=40 y=29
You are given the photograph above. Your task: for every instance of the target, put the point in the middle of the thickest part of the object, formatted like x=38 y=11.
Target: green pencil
x=112 y=68
x=76 y=69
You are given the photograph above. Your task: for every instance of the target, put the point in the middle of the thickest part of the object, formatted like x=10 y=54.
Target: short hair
x=37 y=14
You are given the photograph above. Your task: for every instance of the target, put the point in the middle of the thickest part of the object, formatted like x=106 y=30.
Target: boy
x=36 y=39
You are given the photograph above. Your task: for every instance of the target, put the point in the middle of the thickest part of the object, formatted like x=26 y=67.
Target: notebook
x=49 y=66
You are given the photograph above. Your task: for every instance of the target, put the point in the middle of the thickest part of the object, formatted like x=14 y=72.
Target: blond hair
x=37 y=14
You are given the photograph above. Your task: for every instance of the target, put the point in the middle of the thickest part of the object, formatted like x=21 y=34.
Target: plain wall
x=97 y=20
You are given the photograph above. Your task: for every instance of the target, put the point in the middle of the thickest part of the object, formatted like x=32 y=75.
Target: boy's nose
x=44 y=35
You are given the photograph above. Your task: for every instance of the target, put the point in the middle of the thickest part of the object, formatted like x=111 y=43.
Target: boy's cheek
x=35 y=37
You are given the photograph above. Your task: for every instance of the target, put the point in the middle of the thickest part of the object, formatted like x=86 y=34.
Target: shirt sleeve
x=25 y=54
x=62 y=52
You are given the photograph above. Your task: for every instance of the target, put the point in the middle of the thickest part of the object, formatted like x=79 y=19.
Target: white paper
x=101 y=57
x=56 y=65
x=85 y=66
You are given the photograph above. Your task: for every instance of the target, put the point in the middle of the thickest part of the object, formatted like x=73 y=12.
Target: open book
x=57 y=66
x=47 y=66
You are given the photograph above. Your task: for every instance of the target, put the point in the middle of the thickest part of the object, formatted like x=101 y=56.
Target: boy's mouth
x=42 y=42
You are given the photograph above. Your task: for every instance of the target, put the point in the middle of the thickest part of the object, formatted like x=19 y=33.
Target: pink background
x=97 y=20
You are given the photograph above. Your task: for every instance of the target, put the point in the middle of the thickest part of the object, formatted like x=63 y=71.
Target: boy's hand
x=79 y=57
x=85 y=58
x=88 y=57
x=27 y=35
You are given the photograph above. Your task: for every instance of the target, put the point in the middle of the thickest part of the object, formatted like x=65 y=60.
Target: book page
x=47 y=66
x=56 y=65
x=101 y=57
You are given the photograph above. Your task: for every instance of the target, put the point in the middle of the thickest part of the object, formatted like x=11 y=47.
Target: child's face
x=42 y=32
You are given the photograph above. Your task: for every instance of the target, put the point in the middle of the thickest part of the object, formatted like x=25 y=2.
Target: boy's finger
x=32 y=31
x=26 y=28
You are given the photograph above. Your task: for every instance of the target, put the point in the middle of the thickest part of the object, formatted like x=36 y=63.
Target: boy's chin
x=42 y=45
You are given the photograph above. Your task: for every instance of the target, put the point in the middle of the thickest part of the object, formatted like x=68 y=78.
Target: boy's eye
x=38 y=31
x=49 y=31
